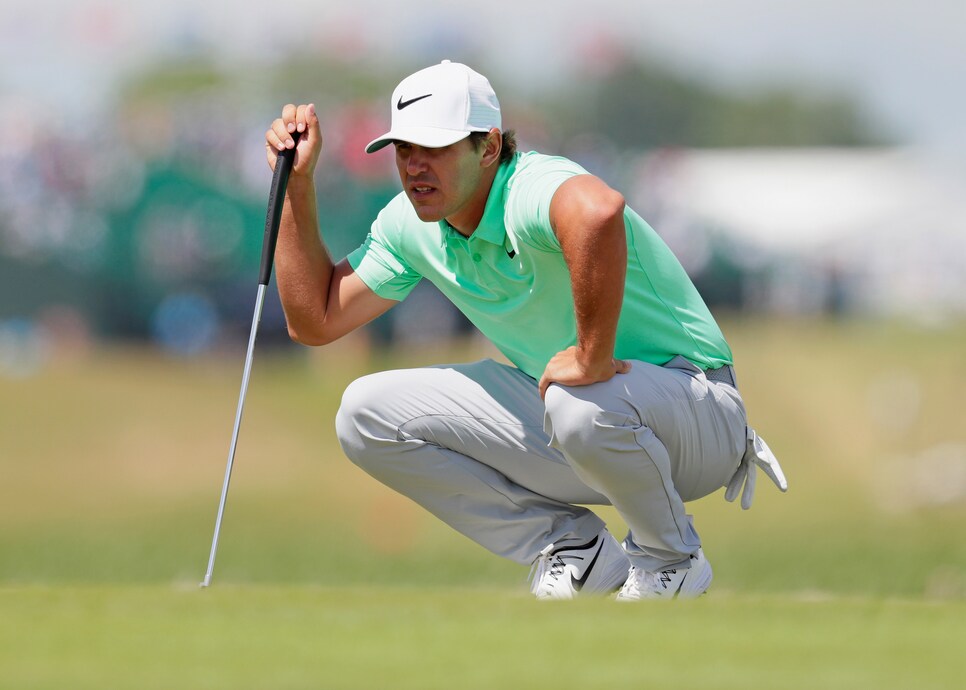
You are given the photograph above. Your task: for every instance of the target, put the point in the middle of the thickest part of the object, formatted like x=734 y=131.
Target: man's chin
x=427 y=215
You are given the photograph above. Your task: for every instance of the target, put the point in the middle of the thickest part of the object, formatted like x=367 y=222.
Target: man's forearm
x=303 y=266
x=588 y=220
x=597 y=271
x=591 y=234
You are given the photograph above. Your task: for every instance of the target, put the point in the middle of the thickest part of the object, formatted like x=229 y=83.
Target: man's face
x=443 y=182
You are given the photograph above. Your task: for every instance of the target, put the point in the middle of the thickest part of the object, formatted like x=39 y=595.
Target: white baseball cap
x=439 y=106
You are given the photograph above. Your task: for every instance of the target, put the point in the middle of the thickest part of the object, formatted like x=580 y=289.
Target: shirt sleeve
x=379 y=264
x=530 y=198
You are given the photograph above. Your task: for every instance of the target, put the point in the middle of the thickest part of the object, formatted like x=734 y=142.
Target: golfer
x=620 y=390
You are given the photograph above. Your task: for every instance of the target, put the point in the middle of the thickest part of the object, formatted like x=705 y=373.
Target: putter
x=276 y=197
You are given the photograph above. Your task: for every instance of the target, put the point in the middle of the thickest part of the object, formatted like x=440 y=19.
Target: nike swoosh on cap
x=405 y=104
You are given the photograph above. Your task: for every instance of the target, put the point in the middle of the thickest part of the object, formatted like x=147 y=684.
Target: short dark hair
x=509 y=143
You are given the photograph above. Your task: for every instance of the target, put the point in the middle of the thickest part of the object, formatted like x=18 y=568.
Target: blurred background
x=805 y=160
x=802 y=158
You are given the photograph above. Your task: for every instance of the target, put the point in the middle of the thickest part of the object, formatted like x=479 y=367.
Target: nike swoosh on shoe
x=581 y=581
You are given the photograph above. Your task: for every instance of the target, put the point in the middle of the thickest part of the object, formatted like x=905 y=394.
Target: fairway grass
x=382 y=637
x=111 y=465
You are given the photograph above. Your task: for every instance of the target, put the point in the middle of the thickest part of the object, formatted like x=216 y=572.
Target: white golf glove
x=757 y=454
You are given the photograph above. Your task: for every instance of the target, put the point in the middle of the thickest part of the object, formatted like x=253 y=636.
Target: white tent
x=890 y=223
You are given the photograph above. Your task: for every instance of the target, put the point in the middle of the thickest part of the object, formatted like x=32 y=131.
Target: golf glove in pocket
x=757 y=454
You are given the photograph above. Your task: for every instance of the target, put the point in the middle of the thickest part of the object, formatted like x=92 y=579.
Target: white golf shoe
x=668 y=584
x=598 y=567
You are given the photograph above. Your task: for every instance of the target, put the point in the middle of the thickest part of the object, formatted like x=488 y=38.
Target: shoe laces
x=547 y=565
x=642 y=583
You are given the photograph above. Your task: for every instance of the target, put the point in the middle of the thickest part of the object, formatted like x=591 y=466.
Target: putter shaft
x=276 y=200
x=259 y=303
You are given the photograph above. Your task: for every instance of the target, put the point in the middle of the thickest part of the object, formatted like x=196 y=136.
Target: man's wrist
x=300 y=184
x=594 y=359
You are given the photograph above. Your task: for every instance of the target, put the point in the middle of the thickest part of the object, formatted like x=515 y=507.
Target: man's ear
x=494 y=144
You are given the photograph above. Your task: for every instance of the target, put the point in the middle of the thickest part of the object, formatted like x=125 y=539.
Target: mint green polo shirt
x=510 y=280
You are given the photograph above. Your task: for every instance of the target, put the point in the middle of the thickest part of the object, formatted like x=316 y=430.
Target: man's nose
x=416 y=162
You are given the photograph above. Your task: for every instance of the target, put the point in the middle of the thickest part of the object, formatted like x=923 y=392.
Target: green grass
x=396 y=637
x=111 y=465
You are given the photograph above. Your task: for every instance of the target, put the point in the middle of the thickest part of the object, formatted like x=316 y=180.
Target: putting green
x=308 y=637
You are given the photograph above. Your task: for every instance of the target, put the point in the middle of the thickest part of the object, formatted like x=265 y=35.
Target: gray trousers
x=476 y=446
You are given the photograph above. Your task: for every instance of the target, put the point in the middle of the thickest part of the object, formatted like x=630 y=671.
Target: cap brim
x=430 y=137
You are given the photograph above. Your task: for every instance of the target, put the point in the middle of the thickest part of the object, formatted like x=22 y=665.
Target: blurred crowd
x=148 y=226
x=153 y=234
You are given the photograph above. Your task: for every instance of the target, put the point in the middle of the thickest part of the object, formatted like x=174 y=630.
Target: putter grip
x=283 y=167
